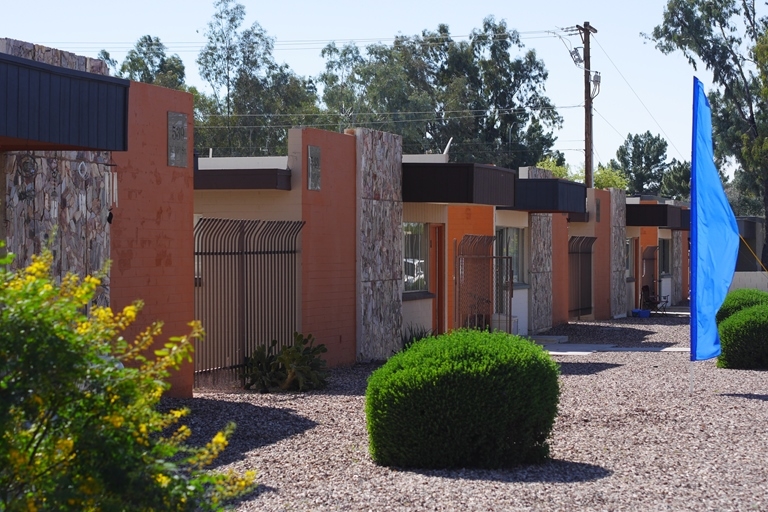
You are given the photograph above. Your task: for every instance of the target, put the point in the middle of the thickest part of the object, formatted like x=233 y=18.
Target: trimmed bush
x=465 y=399
x=744 y=339
x=738 y=300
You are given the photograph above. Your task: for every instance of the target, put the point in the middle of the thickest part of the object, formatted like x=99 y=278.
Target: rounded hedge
x=744 y=339
x=465 y=399
x=738 y=300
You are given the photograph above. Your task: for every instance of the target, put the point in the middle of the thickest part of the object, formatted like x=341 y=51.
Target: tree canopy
x=479 y=94
x=147 y=62
x=729 y=39
x=643 y=160
x=254 y=100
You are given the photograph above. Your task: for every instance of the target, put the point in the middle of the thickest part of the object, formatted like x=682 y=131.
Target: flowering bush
x=78 y=418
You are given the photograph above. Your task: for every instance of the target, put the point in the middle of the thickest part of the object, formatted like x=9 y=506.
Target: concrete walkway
x=583 y=349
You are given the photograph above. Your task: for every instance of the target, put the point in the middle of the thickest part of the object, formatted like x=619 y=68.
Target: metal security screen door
x=580 y=275
x=483 y=285
x=245 y=291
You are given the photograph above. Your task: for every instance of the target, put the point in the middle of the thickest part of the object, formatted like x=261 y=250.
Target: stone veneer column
x=618 y=253
x=379 y=244
x=66 y=190
x=540 y=268
x=540 y=302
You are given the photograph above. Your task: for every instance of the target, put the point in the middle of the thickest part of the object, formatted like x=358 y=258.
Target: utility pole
x=585 y=32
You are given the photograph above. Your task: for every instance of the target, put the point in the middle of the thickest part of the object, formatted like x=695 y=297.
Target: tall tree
x=642 y=159
x=676 y=183
x=432 y=89
x=729 y=39
x=254 y=100
x=147 y=62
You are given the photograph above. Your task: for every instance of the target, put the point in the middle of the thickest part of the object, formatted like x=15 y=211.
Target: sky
x=641 y=88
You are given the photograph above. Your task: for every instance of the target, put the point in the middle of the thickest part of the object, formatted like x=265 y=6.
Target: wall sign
x=177 y=139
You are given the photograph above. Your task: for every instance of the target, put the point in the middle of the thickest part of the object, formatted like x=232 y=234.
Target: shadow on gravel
x=751 y=396
x=633 y=330
x=349 y=380
x=585 y=368
x=256 y=426
x=258 y=491
x=554 y=471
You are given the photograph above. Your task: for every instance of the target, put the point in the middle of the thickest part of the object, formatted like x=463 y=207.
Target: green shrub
x=298 y=366
x=79 y=425
x=468 y=398
x=744 y=339
x=738 y=300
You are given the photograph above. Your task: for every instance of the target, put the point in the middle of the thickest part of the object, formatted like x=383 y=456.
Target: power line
x=608 y=123
x=291 y=44
x=669 y=139
x=478 y=112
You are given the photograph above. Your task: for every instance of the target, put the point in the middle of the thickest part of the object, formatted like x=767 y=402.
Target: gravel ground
x=628 y=436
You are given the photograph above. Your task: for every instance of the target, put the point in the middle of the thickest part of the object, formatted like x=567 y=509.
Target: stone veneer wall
x=618 y=252
x=52 y=56
x=677 y=267
x=380 y=243
x=62 y=190
x=540 y=268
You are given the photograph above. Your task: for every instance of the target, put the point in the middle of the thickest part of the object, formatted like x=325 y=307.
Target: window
x=313 y=168
x=415 y=256
x=665 y=252
x=630 y=258
x=510 y=242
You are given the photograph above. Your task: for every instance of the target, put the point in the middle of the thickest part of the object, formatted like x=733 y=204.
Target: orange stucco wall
x=328 y=242
x=560 y=280
x=601 y=264
x=151 y=232
x=464 y=220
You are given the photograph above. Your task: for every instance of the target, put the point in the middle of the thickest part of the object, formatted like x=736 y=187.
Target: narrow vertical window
x=415 y=256
x=665 y=254
x=313 y=168
x=630 y=258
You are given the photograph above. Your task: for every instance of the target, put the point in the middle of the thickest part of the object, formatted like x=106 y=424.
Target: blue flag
x=714 y=235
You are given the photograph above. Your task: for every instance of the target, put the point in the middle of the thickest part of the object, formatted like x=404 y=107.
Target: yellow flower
x=220 y=441
x=163 y=480
x=115 y=419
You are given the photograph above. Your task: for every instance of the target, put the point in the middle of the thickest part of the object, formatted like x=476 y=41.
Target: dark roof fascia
x=458 y=183
x=550 y=195
x=665 y=216
x=243 y=179
x=45 y=107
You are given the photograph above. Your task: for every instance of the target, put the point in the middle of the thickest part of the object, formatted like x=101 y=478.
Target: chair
x=653 y=303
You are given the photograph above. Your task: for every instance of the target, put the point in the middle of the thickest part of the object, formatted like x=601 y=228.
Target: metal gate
x=483 y=285
x=246 y=288
x=580 y=275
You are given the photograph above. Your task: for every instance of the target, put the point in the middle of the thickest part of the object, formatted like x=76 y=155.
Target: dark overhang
x=458 y=183
x=48 y=107
x=658 y=215
x=548 y=195
x=243 y=179
x=685 y=219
